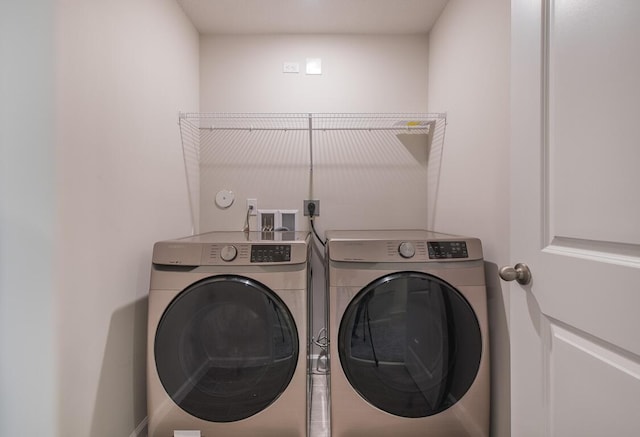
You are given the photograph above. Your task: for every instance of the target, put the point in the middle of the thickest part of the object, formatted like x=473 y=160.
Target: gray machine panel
x=385 y=246
x=234 y=248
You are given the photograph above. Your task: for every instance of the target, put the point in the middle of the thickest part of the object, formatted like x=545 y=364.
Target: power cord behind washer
x=311 y=208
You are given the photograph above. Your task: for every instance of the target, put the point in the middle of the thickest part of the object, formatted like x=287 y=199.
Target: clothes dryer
x=227 y=335
x=409 y=347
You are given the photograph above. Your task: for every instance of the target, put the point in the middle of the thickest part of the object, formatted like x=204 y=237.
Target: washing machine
x=409 y=343
x=227 y=351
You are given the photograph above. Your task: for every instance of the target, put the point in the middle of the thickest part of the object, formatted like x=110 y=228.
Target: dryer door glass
x=410 y=344
x=226 y=348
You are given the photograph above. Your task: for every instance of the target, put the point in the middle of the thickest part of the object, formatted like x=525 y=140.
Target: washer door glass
x=226 y=348
x=410 y=344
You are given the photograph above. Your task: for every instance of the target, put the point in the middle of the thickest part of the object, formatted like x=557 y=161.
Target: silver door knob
x=520 y=273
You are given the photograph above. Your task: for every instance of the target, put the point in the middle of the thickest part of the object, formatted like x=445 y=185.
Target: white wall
x=360 y=73
x=469 y=79
x=123 y=71
x=27 y=195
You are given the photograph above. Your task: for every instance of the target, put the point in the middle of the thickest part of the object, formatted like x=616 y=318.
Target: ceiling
x=313 y=16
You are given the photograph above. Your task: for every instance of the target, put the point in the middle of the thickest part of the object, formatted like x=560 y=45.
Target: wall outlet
x=311 y=208
x=252 y=206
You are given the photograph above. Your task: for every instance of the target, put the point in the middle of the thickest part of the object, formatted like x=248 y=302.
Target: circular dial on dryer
x=228 y=253
x=406 y=249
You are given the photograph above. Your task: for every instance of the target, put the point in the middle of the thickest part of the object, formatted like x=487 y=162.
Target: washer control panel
x=447 y=249
x=270 y=253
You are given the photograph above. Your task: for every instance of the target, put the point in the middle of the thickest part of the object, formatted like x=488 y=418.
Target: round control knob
x=406 y=249
x=228 y=253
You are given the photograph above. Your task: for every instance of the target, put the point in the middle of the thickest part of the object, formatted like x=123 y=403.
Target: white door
x=575 y=328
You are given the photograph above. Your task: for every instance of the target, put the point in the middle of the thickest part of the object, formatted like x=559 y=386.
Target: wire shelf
x=243 y=140
x=313 y=121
